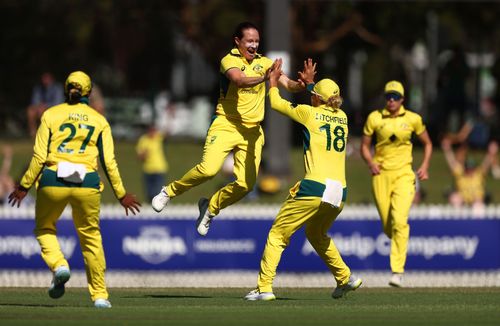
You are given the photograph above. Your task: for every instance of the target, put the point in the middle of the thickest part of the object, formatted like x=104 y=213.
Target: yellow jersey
x=325 y=134
x=393 y=148
x=470 y=185
x=244 y=105
x=152 y=146
x=78 y=134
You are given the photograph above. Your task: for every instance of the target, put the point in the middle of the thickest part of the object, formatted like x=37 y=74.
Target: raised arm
x=308 y=73
x=299 y=113
x=488 y=159
x=448 y=154
x=306 y=76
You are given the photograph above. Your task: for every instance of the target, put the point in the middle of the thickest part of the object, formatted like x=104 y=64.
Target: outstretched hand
x=275 y=72
x=129 y=201
x=307 y=74
x=17 y=196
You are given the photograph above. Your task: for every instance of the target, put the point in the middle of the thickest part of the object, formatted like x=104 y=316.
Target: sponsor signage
x=173 y=244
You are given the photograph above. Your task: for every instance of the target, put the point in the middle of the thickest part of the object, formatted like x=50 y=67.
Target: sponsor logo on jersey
x=258 y=68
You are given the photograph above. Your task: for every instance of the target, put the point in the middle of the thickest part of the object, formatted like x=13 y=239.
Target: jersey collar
x=236 y=52
x=387 y=114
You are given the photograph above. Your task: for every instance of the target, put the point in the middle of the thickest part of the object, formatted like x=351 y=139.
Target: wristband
x=310 y=87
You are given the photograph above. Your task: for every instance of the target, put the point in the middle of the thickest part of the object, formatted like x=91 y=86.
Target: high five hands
x=307 y=75
x=275 y=72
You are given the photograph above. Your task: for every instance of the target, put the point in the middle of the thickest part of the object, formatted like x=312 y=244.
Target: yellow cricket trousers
x=85 y=204
x=394 y=192
x=317 y=218
x=222 y=138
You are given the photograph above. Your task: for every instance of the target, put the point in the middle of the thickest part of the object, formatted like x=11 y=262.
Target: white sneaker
x=396 y=280
x=61 y=276
x=255 y=295
x=352 y=285
x=160 y=201
x=205 y=218
x=102 y=303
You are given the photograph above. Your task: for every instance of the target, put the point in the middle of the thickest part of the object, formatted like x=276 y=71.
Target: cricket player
x=235 y=128
x=317 y=199
x=70 y=139
x=393 y=182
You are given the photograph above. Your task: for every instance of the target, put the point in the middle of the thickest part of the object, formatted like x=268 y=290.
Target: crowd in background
x=169 y=63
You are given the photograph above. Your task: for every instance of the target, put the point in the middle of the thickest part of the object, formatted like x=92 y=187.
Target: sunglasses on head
x=393 y=96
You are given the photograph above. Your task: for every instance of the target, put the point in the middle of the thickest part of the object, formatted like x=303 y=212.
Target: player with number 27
x=71 y=138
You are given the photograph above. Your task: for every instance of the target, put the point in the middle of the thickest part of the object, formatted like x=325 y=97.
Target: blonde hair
x=334 y=102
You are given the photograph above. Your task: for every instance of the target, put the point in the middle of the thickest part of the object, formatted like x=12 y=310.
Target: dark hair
x=73 y=94
x=238 y=32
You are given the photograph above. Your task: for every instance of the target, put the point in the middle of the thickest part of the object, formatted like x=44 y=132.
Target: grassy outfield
x=218 y=307
x=183 y=156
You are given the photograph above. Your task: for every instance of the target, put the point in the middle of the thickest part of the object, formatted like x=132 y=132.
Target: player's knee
x=244 y=186
x=206 y=170
x=401 y=228
x=278 y=239
x=311 y=231
x=317 y=240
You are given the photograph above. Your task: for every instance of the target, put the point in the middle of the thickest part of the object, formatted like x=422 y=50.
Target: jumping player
x=235 y=128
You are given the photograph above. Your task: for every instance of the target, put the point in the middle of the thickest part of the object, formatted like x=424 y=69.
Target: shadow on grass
x=167 y=296
x=28 y=305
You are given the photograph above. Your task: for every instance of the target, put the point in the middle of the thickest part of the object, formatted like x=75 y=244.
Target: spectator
x=478 y=132
x=154 y=165
x=45 y=94
x=469 y=185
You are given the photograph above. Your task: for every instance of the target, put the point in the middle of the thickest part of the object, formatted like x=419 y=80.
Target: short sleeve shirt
x=242 y=104
x=393 y=148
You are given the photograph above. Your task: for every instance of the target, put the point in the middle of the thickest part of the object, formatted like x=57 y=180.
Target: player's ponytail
x=74 y=96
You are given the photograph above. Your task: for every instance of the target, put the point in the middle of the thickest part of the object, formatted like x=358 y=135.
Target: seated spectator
x=469 y=177
x=44 y=95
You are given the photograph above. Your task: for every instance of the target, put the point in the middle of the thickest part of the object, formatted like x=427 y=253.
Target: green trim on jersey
x=311 y=188
x=49 y=179
x=306 y=138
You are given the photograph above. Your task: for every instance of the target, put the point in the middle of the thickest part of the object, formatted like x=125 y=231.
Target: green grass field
x=218 y=307
x=184 y=155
